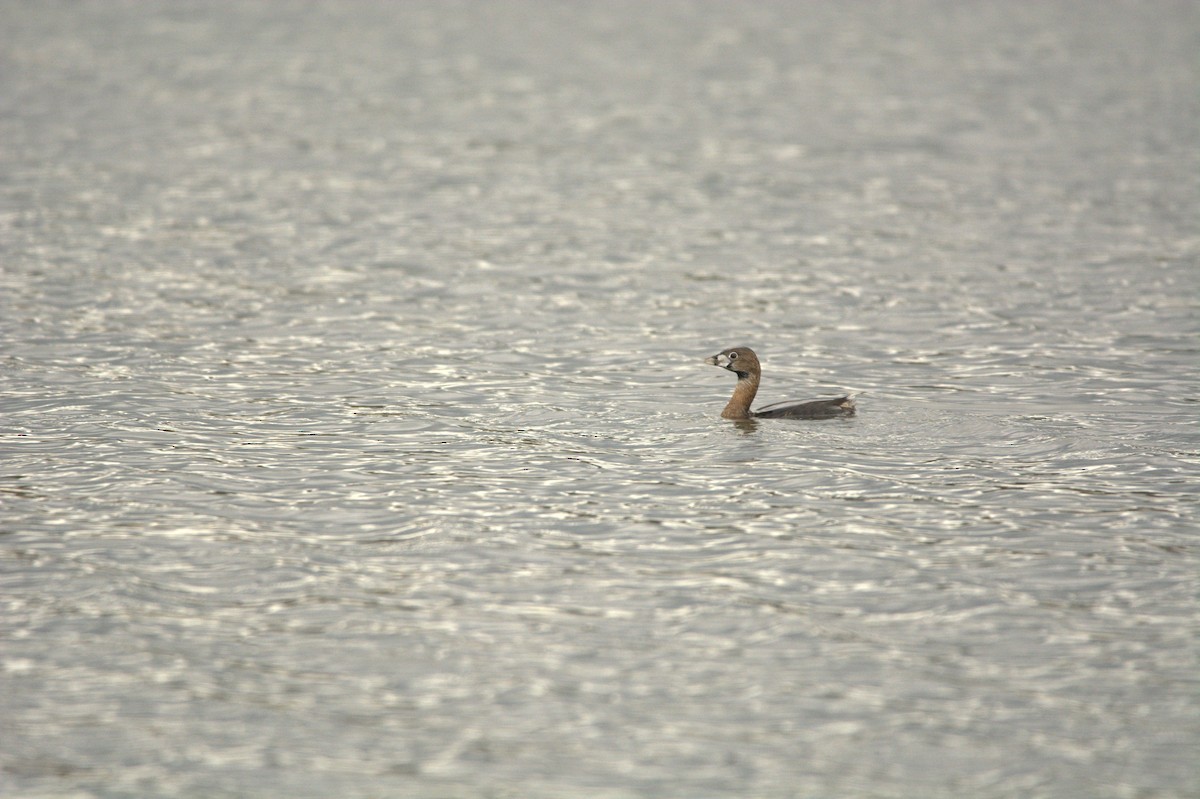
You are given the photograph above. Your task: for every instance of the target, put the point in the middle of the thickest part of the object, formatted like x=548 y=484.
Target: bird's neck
x=743 y=395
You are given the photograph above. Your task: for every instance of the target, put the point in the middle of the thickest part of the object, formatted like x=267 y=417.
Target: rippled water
x=357 y=440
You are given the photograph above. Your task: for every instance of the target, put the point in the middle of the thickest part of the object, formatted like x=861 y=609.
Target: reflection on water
x=357 y=439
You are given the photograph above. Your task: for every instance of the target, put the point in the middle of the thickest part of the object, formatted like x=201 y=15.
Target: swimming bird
x=744 y=363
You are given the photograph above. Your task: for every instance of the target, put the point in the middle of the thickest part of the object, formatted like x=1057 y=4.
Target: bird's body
x=744 y=363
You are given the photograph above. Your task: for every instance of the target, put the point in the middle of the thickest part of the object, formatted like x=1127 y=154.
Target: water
x=357 y=440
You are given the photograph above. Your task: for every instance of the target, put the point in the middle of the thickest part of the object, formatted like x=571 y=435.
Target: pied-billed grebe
x=744 y=363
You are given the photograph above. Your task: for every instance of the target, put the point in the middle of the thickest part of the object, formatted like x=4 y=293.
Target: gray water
x=357 y=440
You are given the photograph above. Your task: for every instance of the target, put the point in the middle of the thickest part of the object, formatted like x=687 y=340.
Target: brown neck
x=743 y=395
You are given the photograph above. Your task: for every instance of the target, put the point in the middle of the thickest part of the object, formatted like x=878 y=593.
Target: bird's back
x=816 y=409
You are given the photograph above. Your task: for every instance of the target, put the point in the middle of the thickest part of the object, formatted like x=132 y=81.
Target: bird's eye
x=733 y=356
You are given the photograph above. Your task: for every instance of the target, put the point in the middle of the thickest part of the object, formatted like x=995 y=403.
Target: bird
x=744 y=363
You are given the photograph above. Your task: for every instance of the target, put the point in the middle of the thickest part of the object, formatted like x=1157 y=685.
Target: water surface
x=357 y=440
